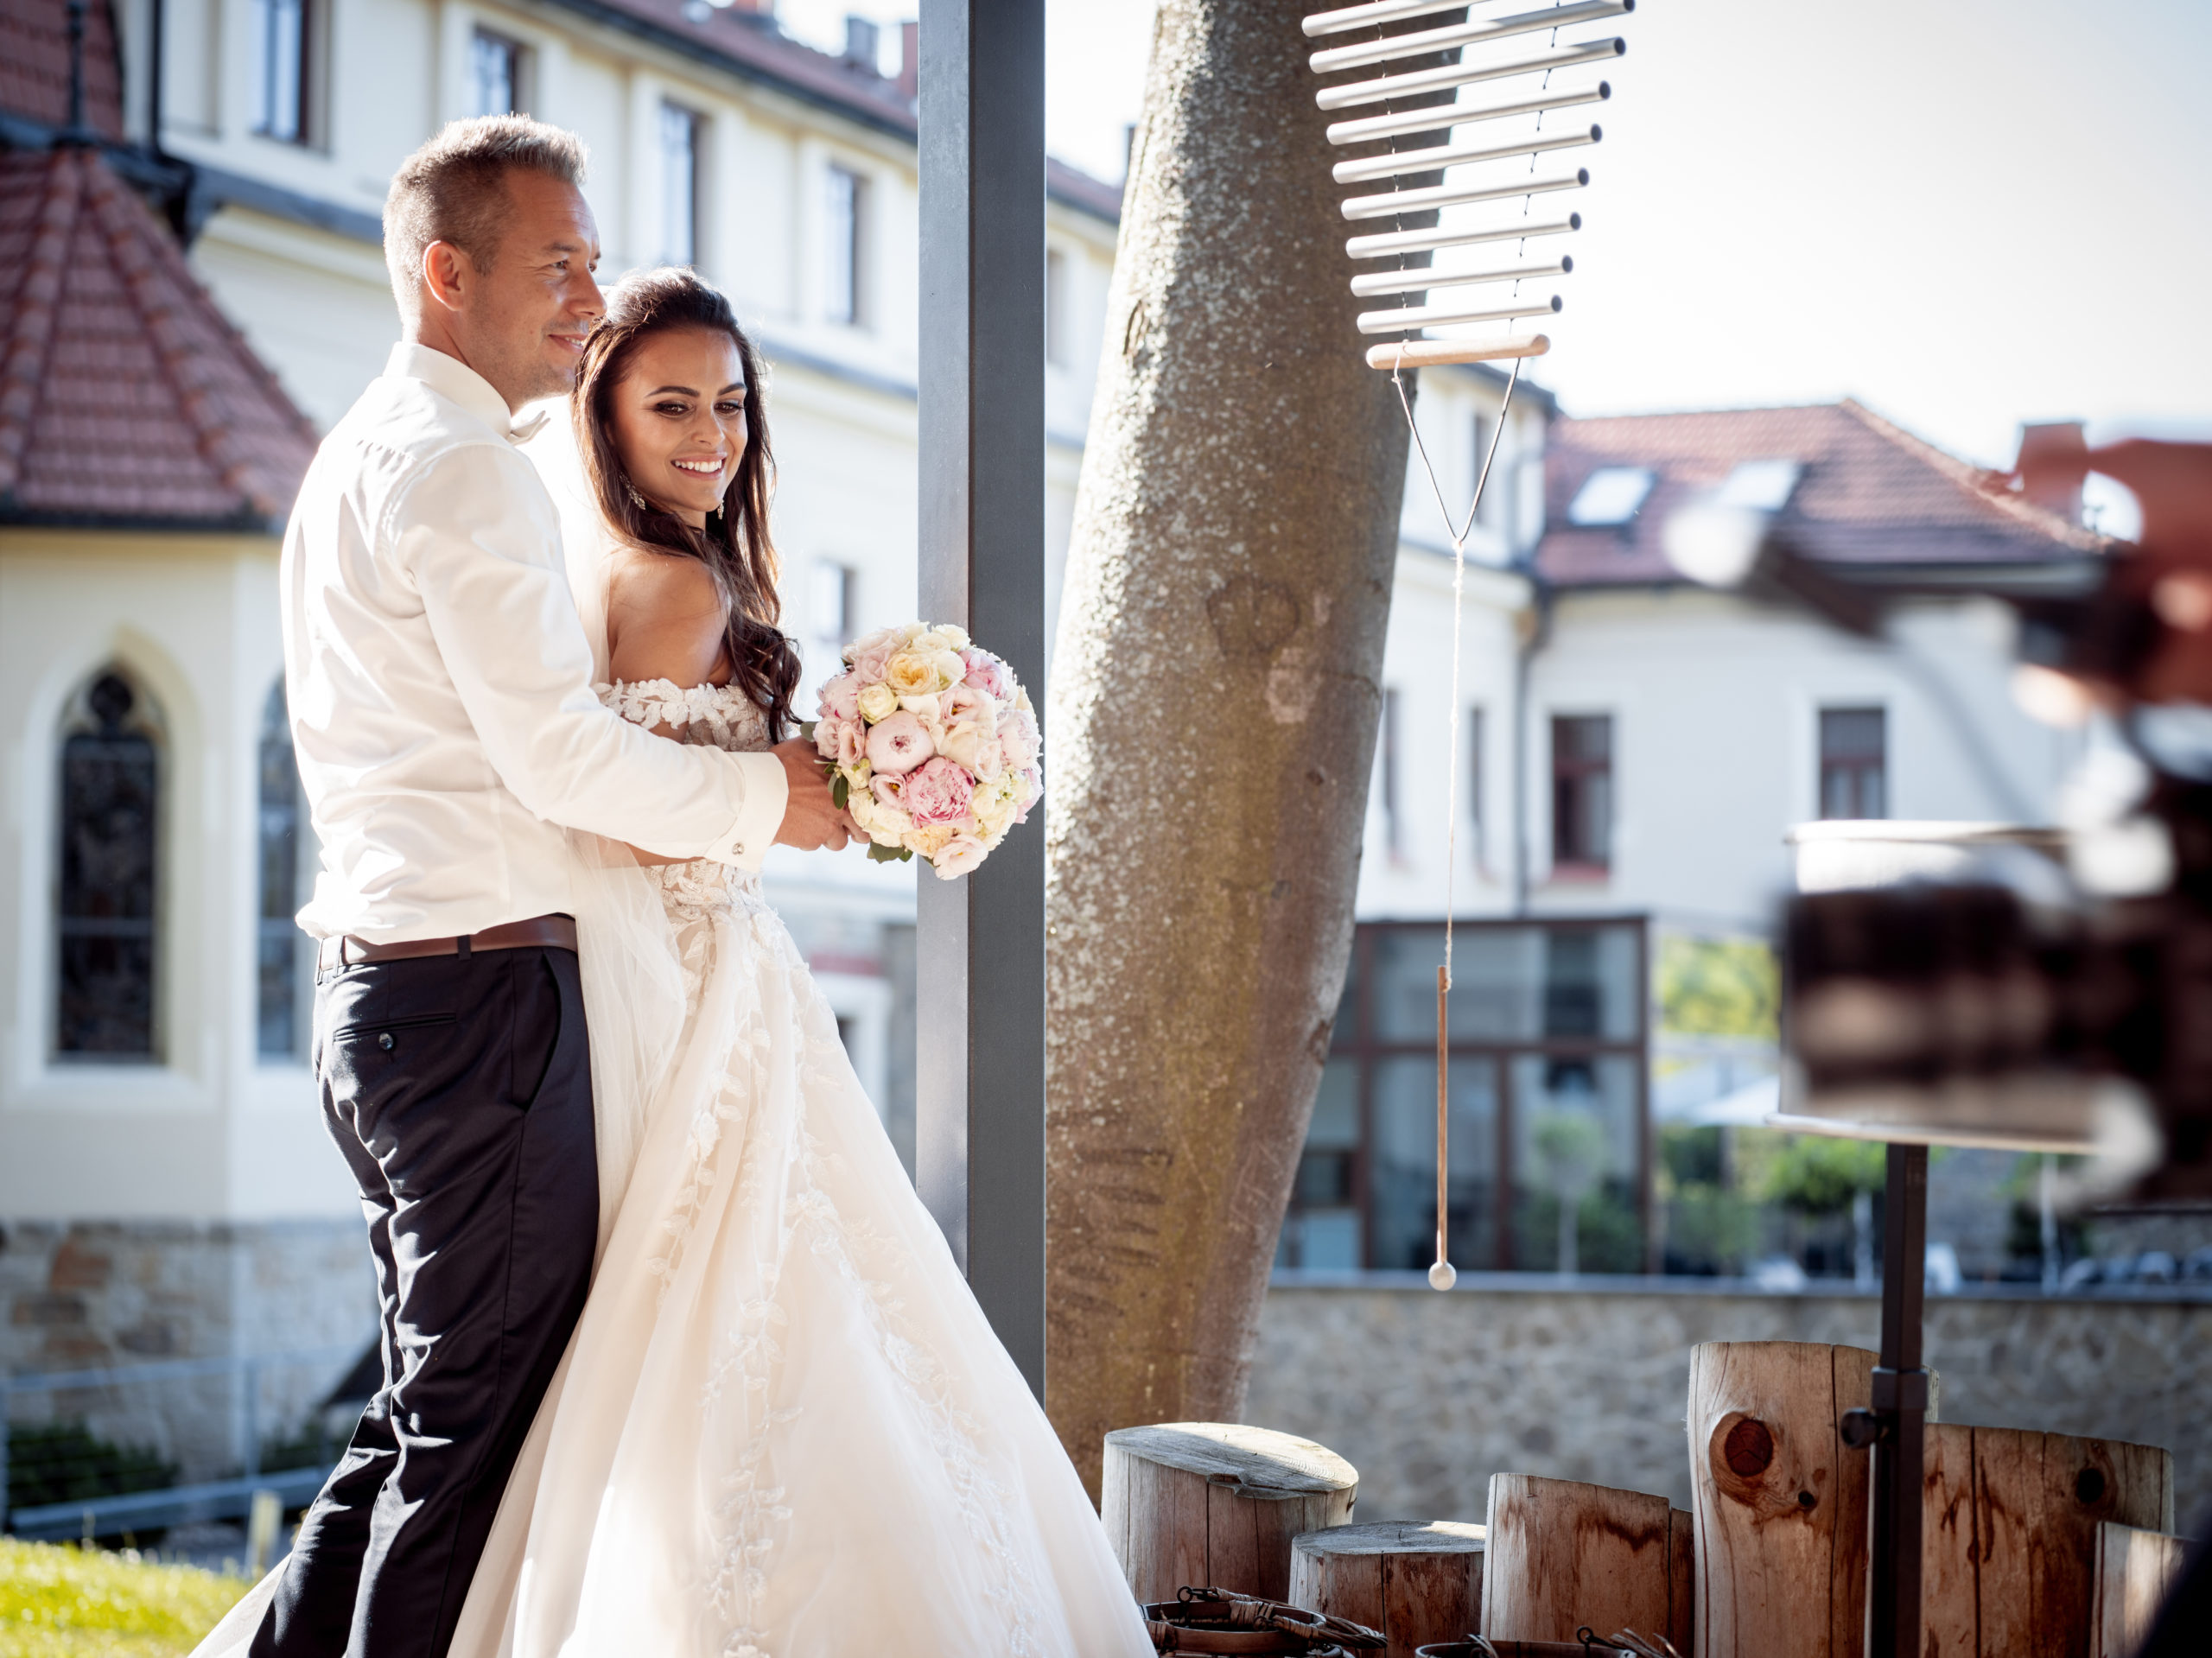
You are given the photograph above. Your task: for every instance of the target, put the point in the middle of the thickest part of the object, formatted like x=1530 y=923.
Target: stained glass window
x=104 y=900
x=280 y=959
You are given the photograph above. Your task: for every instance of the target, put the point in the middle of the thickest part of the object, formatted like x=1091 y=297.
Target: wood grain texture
x=2010 y=1520
x=1418 y=1583
x=1780 y=1501
x=2135 y=1571
x=1216 y=1504
x=1681 y=1581
x=1563 y=1555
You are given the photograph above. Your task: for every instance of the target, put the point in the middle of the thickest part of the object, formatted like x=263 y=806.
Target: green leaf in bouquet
x=806 y=728
x=878 y=853
x=840 y=791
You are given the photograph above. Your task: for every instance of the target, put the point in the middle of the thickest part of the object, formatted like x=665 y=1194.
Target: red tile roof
x=124 y=395
x=1870 y=493
x=34 y=64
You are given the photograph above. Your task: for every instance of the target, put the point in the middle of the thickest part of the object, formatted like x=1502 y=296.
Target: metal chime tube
x=1432 y=317
x=1391 y=203
x=1376 y=11
x=1419 y=281
x=1443 y=40
x=1374 y=247
x=1433 y=354
x=1450 y=115
x=1429 y=161
x=1463 y=74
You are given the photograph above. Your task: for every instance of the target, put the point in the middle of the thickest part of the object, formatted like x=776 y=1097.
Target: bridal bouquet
x=932 y=746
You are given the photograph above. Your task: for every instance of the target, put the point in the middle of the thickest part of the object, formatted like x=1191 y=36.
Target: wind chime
x=1480 y=208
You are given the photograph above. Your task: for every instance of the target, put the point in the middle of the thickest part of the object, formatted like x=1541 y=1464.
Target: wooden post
x=1681 y=1581
x=1417 y=1583
x=1780 y=1500
x=2013 y=1522
x=1215 y=1504
x=1563 y=1555
x=2136 y=1570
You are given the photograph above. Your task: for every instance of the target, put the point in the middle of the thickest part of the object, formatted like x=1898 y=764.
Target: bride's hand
x=811 y=820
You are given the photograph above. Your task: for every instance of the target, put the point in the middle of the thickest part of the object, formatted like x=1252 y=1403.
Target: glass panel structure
x=1854 y=752
x=1582 y=790
x=1546 y=1026
x=846 y=224
x=280 y=78
x=109 y=823
x=679 y=185
x=495 y=74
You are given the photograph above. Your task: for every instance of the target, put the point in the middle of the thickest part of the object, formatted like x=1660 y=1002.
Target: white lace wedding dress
x=783 y=1428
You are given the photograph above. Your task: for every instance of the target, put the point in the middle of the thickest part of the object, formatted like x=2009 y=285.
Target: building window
x=283 y=970
x=1389 y=766
x=1582 y=791
x=282 y=68
x=1610 y=498
x=831 y=611
x=846 y=252
x=1855 y=780
x=1546 y=1030
x=497 y=68
x=1475 y=784
x=1056 y=307
x=109 y=854
x=679 y=185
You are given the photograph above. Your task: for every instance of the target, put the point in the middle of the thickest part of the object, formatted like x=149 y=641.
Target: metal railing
x=148 y=1416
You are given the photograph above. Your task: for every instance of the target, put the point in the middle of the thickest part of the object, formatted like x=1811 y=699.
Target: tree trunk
x=1214 y=705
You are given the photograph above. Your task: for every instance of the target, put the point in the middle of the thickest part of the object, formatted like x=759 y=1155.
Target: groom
x=445 y=728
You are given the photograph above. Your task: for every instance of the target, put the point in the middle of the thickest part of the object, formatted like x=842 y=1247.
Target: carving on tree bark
x=1213 y=716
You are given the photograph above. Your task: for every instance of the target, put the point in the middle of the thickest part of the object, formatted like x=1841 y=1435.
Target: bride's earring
x=636 y=499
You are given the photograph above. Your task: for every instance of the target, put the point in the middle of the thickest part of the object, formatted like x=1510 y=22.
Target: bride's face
x=679 y=420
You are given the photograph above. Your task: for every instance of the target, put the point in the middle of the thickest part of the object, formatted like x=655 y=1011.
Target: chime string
x=1459 y=533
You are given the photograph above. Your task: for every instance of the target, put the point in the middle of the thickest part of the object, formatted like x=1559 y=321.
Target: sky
x=1967 y=213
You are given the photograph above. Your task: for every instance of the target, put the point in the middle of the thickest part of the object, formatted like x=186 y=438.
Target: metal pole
x=980 y=1001
x=1900 y=1412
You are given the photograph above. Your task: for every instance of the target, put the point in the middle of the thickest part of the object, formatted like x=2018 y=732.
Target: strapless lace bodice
x=714 y=717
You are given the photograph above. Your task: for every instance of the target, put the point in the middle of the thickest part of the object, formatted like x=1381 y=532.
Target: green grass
x=59 y=1602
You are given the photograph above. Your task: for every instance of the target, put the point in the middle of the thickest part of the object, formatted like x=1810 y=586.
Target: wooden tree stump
x=1563 y=1555
x=1681 y=1581
x=1416 y=1582
x=2011 y=1526
x=1216 y=1504
x=1780 y=1500
x=2136 y=1570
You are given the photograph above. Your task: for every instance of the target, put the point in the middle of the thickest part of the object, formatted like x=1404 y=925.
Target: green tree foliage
x=1719 y=987
x=1815 y=1175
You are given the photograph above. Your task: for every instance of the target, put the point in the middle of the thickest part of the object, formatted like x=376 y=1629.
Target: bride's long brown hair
x=736 y=547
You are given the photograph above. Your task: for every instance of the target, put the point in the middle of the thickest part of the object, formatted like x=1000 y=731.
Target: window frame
x=1364 y=1046
x=694 y=125
x=306 y=126
x=146 y=720
x=280 y=927
x=519 y=71
x=1853 y=769
x=847 y=247
x=1577 y=773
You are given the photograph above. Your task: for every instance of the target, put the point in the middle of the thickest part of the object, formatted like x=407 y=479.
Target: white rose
x=879 y=701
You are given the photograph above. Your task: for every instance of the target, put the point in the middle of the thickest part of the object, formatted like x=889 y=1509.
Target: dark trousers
x=459 y=1089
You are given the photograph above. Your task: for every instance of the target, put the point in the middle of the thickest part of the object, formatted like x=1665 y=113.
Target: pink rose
x=899 y=744
x=852 y=742
x=938 y=792
x=888 y=790
x=840 y=697
x=959 y=855
x=869 y=655
x=825 y=738
x=1033 y=787
x=1018 y=737
x=963 y=704
x=987 y=674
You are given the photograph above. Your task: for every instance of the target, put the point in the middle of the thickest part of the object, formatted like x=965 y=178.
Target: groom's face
x=538 y=303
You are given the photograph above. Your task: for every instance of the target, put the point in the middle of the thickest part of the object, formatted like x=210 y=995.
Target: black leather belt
x=558 y=931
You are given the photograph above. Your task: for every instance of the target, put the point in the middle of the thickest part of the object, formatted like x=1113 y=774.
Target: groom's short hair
x=455 y=189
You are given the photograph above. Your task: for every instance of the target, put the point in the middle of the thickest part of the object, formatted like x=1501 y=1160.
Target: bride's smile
x=678 y=420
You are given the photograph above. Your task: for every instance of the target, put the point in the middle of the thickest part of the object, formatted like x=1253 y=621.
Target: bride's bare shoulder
x=664 y=618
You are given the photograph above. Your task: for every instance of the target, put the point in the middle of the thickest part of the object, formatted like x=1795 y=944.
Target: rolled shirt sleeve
x=479 y=537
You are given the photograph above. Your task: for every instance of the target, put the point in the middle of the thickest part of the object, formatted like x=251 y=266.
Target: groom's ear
x=448 y=276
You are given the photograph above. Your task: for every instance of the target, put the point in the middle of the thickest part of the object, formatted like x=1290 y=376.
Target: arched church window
x=104 y=900
x=280 y=952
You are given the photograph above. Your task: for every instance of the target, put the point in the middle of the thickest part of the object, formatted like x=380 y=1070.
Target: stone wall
x=92 y=1295
x=1428 y=1394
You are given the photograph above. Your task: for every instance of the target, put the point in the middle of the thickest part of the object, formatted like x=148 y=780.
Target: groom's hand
x=812 y=822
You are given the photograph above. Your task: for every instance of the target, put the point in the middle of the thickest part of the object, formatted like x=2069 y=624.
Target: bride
x=784 y=1426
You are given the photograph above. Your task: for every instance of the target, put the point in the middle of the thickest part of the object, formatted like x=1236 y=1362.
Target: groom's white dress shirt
x=440 y=682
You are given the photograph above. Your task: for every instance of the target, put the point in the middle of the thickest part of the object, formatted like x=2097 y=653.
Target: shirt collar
x=454 y=379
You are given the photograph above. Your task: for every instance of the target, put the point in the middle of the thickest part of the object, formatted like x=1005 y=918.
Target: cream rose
x=927 y=840
x=959 y=855
x=879 y=701
x=916 y=673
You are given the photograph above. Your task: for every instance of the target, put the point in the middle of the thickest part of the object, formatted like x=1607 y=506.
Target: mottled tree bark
x=1214 y=707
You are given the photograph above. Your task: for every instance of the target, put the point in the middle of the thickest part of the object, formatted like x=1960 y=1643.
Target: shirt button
x=385 y=1041
x=741 y=848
